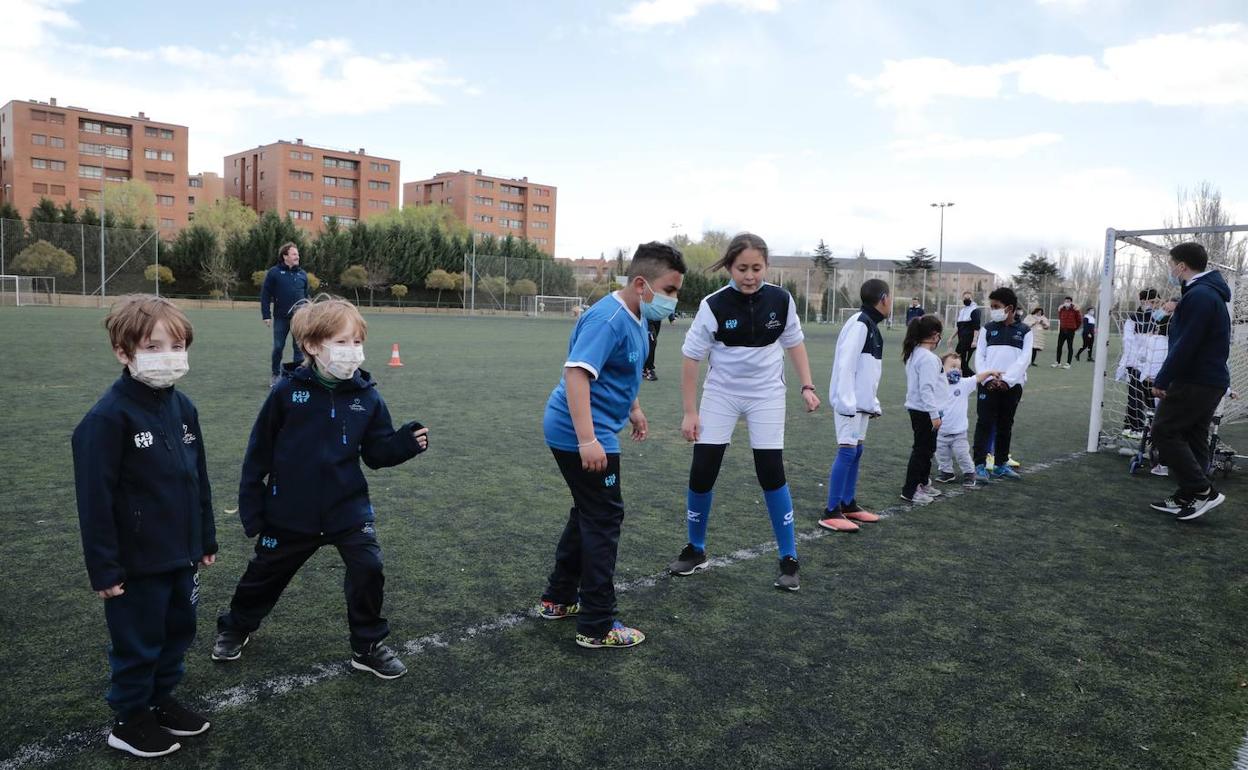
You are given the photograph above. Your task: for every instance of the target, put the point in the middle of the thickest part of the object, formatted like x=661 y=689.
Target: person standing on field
x=285 y=285
x=1068 y=321
x=967 y=324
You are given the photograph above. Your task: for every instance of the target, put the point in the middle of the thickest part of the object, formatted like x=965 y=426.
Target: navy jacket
x=283 y=287
x=1199 y=342
x=913 y=313
x=301 y=472
x=144 y=503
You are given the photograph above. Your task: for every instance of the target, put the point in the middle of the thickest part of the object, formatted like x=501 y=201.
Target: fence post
x=808 y=295
x=1 y=247
x=82 y=252
x=157 y=265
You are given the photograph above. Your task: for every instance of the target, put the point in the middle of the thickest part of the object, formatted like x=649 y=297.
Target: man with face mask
x=967 y=325
x=1069 y=320
x=914 y=311
x=1004 y=346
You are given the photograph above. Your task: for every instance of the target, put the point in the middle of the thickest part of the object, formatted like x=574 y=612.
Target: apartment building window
x=482 y=201
x=515 y=224
x=164 y=222
x=329 y=200
x=190 y=200
x=157 y=177
x=236 y=163
x=195 y=182
x=347 y=183
x=541 y=241
x=542 y=193
x=382 y=167
x=373 y=184
x=482 y=218
x=56 y=141
x=39 y=115
x=236 y=181
x=351 y=165
x=39 y=187
x=294 y=155
x=541 y=208
x=301 y=176
x=506 y=206
x=48 y=163
x=294 y=195
x=540 y=225
x=485 y=184
x=346 y=220
x=56 y=118
x=39 y=139
x=509 y=189
x=116 y=175
x=106 y=150
x=157 y=133
x=152 y=153
x=58 y=189
x=303 y=215
x=331 y=181
x=190 y=216
x=305 y=156
x=164 y=200
x=111 y=129
x=306 y=195
x=91 y=172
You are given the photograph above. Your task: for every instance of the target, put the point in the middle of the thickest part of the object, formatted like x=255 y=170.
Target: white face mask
x=997 y=314
x=158 y=370
x=340 y=361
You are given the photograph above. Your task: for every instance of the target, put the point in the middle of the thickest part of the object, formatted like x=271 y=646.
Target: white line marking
x=1241 y=756
x=245 y=694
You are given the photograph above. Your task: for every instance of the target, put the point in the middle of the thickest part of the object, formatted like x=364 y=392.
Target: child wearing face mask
x=1004 y=346
x=302 y=487
x=951 y=439
x=145 y=509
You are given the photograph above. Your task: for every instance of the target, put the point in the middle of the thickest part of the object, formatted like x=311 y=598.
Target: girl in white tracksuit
x=744 y=330
x=925 y=397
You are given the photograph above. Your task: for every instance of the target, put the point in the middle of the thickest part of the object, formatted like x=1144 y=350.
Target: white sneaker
x=1054 y=366
x=1065 y=366
x=919 y=498
x=1160 y=470
x=930 y=491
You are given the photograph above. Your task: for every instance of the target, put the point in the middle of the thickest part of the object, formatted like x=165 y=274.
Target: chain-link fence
x=86 y=259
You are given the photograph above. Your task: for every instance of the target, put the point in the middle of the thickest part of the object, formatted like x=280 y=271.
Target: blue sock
x=780 y=509
x=851 y=481
x=837 y=477
x=699 y=511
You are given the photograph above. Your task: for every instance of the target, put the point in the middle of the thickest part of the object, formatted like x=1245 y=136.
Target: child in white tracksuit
x=951 y=438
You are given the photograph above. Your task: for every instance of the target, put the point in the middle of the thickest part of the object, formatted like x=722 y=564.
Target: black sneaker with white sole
x=788 y=575
x=1172 y=504
x=379 y=661
x=947 y=477
x=142 y=736
x=1201 y=504
x=691 y=560
x=229 y=645
x=177 y=719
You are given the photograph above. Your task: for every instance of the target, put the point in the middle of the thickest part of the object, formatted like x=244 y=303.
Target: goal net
x=1131 y=342
x=22 y=290
x=546 y=304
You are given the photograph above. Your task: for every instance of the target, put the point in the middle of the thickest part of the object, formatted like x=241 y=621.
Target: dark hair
x=918 y=330
x=1072 y=299
x=1038 y=310
x=653 y=259
x=873 y=292
x=1191 y=254
x=1146 y=294
x=1006 y=296
x=285 y=247
x=739 y=243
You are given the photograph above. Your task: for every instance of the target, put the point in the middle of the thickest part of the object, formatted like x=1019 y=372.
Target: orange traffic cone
x=394 y=356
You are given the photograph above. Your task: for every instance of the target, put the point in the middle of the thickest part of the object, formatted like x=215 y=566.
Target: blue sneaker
x=981 y=474
x=1006 y=472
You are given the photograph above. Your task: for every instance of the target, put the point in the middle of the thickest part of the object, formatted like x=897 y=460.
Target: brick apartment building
x=311 y=184
x=492 y=205
x=68 y=154
x=203 y=189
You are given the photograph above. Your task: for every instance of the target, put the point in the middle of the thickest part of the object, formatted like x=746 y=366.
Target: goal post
x=25 y=290
x=1136 y=260
x=542 y=304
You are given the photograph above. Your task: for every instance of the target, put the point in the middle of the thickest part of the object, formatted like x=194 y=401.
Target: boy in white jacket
x=951 y=439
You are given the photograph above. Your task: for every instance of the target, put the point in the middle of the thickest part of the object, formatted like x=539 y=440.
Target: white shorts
x=851 y=430
x=764 y=418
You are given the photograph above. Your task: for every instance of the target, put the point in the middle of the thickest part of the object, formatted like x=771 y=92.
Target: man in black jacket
x=1192 y=381
x=285 y=286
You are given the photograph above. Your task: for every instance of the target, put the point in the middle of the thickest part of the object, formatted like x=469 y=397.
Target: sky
x=1043 y=121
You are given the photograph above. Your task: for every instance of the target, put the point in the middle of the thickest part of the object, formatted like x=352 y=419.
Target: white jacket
x=925 y=382
x=857 y=365
x=953 y=418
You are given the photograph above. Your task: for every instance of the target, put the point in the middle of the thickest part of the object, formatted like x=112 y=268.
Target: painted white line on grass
x=1241 y=756
x=245 y=694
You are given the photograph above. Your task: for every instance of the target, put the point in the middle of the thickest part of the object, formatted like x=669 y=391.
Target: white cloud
x=27 y=22
x=1207 y=66
x=654 y=13
x=944 y=147
x=1072 y=5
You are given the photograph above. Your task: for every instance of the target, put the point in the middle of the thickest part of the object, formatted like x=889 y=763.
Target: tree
x=257 y=278
x=355 y=278
x=1036 y=275
x=68 y=214
x=190 y=250
x=42 y=258
x=166 y=275
x=493 y=286
x=398 y=290
x=226 y=218
x=9 y=211
x=823 y=258
x=440 y=217
x=716 y=240
x=1203 y=207
x=314 y=283
x=132 y=202
x=524 y=288
x=43 y=221
x=917 y=266
x=619 y=261
x=441 y=281
x=217 y=271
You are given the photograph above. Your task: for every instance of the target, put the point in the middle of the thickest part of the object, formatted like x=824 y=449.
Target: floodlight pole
x=940 y=265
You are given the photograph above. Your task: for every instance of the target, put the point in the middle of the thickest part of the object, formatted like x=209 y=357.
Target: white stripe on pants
x=950 y=446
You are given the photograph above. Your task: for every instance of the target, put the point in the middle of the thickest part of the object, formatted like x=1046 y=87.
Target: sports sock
x=841 y=467
x=699 y=512
x=850 y=492
x=780 y=510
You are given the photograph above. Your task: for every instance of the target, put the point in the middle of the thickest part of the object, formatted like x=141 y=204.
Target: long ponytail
x=918 y=330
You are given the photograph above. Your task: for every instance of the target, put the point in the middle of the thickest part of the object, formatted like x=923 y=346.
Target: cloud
x=1071 y=5
x=1207 y=66
x=943 y=147
x=654 y=13
x=27 y=22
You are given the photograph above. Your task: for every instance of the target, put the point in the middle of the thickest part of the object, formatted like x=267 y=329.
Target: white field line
x=1241 y=756
x=245 y=694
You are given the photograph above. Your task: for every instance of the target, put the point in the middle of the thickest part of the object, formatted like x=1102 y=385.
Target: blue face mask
x=1174 y=279
x=954 y=377
x=658 y=308
x=1159 y=314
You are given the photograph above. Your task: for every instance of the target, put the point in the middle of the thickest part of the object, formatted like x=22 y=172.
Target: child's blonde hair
x=133 y=316
x=321 y=318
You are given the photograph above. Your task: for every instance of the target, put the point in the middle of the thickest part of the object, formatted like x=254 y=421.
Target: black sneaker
x=229 y=645
x=968 y=481
x=788 y=575
x=142 y=737
x=691 y=560
x=1201 y=504
x=1172 y=504
x=381 y=661
x=178 y=720
x=947 y=477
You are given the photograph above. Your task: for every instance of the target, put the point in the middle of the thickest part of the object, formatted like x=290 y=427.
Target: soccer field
x=1056 y=622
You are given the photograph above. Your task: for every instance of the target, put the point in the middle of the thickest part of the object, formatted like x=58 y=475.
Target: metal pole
x=463 y=296
x=923 y=301
x=1102 y=341
x=82 y=252
x=1 y=247
x=808 y=295
x=157 y=265
x=834 y=292
x=940 y=265
x=504 y=283
x=102 y=287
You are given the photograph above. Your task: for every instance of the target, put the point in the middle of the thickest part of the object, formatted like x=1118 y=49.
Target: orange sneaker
x=836 y=521
x=852 y=511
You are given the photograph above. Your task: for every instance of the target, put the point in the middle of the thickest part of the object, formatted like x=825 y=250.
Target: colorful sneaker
x=619 y=636
x=555 y=611
x=852 y=510
x=177 y=719
x=1006 y=472
x=788 y=575
x=1012 y=463
x=837 y=521
x=981 y=474
x=990 y=462
x=691 y=560
x=946 y=477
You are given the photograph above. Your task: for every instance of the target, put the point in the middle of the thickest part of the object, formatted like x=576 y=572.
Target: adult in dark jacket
x=285 y=285
x=1192 y=381
x=914 y=311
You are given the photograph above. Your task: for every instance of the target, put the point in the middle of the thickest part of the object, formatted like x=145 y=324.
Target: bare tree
x=1083 y=275
x=1203 y=207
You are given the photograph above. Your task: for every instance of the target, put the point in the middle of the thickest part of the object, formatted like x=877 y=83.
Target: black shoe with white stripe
x=1172 y=504
x=690 y=561
x=1201 y=504
x=142 y=736
x=379 y=661
x=177 y=719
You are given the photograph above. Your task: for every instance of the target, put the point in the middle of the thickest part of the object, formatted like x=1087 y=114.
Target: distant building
x=203 y=189
x=69 y=154
x=595 y=270
x=312 y=184
x=850 y=274
x=490 y=204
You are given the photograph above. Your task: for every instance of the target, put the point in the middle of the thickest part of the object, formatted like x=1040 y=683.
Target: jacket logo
x=188 y=438
x=731 y=323
x=633 y=355
x=992 y=333
x=143 y=440
x=609 y=481
x=300 y=396
x=356 y=406
x=772 y=323
x=268 y=542
x=368 y=528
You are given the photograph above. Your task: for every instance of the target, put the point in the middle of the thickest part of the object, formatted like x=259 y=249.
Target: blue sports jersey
x=610 y=343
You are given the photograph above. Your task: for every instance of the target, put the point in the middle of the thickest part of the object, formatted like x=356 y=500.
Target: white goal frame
x=1105 y=302
x=538 y=304
x=26 y=289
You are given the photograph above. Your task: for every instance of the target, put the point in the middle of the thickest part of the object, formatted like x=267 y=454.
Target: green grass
x=1056 y=622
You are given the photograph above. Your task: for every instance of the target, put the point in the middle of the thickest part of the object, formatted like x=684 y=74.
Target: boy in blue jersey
x=145 y=509
x=302 y=487
x=584 y=415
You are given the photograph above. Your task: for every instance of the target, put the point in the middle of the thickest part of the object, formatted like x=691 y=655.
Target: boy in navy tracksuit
x=302 y=487
x=145 y=509
x=1004 y=346
x=285 y=286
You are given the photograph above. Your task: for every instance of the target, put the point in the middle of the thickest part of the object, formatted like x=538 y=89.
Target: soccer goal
x=1135 y=347
x=543 y=304
x=23 y=290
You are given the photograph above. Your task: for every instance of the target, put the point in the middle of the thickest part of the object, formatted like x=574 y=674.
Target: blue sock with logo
x=839 y=474
x=780 y=509
x=699 y=512
x=851 y=483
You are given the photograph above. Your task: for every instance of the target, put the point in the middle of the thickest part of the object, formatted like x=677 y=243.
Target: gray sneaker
x=691 y=560
x=788 y=575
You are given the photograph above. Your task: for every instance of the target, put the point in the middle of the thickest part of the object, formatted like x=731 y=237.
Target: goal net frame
x=539 y=304
x=1105 y=437
x=27 y=290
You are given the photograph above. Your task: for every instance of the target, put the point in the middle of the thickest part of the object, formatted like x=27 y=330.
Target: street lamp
x=940 y=266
